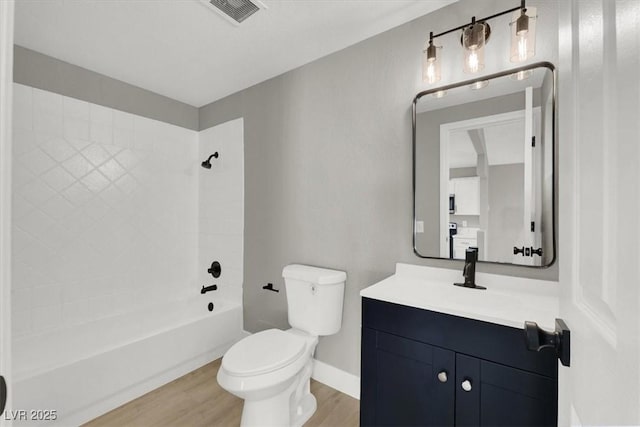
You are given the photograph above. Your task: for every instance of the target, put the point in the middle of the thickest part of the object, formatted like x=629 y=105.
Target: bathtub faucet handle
x=215 y=270
x=206 y=289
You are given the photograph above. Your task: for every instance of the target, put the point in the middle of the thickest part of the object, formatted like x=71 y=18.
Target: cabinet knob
x=466 y=385
x=442 y=376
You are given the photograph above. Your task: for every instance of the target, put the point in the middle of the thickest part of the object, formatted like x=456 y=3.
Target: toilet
x=271 y=370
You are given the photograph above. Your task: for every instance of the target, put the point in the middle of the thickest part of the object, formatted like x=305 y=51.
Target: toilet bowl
x=271 y=370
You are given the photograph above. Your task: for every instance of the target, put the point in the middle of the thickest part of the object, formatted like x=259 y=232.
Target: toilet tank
x=314 y=298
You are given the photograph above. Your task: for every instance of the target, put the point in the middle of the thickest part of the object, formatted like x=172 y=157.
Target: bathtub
x=84 y=371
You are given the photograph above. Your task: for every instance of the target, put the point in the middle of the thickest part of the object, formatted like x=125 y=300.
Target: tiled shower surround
x=221 y=207
x=106 y=213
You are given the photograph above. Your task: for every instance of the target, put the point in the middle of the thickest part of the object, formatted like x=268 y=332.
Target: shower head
x=207 y=163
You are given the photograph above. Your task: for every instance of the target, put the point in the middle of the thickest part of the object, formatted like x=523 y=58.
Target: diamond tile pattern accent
x=57 y=148
x=58 y=178
x=36 y=161
x=95 y=181
x=96 y=154
x=78 y=166
x=105 y=210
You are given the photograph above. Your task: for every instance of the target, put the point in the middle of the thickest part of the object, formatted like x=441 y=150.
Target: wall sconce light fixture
x=430 y=62
x=474 y=38
x=523 y=34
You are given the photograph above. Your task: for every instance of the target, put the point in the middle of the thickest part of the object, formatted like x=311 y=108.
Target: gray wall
x=37 y=70
x=328 y=171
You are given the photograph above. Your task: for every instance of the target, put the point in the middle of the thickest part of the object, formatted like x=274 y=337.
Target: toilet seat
x=263 y=352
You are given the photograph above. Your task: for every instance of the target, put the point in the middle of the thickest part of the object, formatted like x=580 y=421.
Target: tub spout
x=206 y=289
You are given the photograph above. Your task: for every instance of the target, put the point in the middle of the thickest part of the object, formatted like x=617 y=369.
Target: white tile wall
x=221 y=207
x=105 y=212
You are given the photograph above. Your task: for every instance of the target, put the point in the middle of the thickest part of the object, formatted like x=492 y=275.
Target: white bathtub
x=84 y=371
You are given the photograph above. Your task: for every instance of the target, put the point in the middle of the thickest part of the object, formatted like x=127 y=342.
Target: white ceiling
x=184 y=50
x=461 y=151
x=504 y=145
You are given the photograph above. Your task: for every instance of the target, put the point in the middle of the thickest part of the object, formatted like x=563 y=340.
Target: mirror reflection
x=483 y=169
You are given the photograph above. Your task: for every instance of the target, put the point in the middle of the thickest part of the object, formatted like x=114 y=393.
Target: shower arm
x=207 y=163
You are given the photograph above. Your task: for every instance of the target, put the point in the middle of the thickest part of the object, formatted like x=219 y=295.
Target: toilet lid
x=263 y=352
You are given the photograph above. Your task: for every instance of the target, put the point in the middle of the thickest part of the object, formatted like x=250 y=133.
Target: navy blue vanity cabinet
x=423 y=368
x=400 y=382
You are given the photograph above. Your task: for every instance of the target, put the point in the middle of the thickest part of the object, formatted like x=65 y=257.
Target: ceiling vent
x=236 y=11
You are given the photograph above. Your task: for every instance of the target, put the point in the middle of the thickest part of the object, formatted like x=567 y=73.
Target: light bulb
x=430 y=64
x=522 y=46
x=431 y=73
x=473 y=41
x=472 y=61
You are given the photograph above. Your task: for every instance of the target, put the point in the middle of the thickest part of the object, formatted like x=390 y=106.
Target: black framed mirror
x=484 y=174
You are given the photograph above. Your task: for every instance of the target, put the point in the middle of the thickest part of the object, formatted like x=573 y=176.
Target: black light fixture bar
x=473 y=21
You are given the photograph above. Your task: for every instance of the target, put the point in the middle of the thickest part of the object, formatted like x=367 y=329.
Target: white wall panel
x=105 y=212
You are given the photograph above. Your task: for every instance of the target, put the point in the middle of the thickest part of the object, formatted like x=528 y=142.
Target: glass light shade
x=473 y=40
x=521 y=75
x=430 y=65
x=439 y=94
x=479 y=85
x=523 y=35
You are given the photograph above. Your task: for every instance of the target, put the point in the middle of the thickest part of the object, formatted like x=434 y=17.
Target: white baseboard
x=336 y=378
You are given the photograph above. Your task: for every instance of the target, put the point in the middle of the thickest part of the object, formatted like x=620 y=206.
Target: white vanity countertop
x=508 y=301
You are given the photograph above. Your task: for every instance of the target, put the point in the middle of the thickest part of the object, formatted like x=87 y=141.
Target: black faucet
x=469 y=271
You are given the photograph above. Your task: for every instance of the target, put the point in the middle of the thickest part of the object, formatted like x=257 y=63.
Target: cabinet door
x=490 y=394
x=460 y=245
x=467 y=192
x=400 y=384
